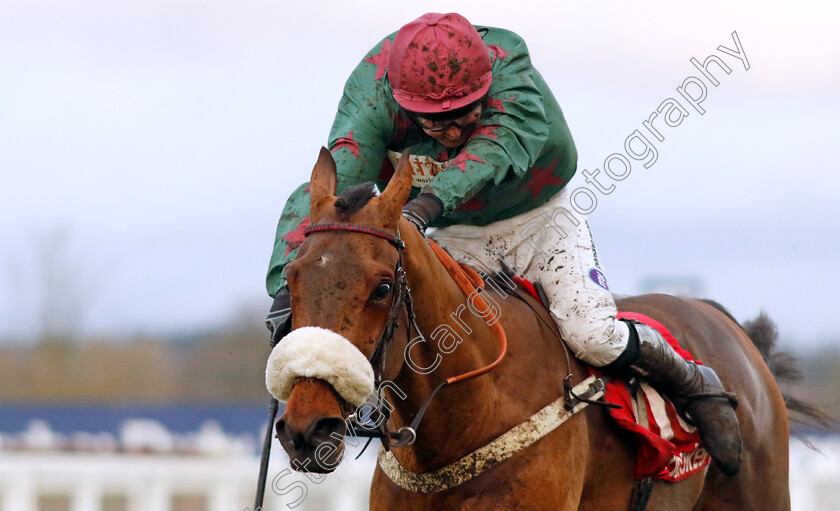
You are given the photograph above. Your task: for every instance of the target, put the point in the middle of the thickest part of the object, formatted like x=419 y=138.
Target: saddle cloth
x=667 y=446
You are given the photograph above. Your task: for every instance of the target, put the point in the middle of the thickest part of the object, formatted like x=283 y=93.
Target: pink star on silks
x=487 y=131
x=474 y=204
x=296 y=237
x=498 y=52
x=540 y=178
x=347 y=142
x=461 y=160
x=308 y=187
x=496 y=103
x=380 y=59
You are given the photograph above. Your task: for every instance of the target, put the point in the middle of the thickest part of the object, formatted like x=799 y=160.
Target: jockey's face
x=451 y=133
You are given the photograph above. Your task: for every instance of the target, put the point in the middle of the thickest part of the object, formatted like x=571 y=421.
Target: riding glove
x=422 y=211
x=279 y=319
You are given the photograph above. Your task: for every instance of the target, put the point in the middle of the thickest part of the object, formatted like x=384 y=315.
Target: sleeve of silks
x=511 y=135
x=357 y=141
x=289 y=236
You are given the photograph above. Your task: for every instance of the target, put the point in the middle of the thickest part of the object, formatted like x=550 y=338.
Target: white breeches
x=551 y=245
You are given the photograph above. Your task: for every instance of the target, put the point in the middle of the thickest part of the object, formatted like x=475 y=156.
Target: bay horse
x=345 y=280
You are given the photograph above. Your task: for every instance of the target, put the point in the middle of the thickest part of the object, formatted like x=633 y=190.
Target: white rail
x=112 y=481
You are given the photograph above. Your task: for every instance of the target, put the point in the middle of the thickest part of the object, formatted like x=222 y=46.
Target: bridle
x=379 y=414
x=401 y=297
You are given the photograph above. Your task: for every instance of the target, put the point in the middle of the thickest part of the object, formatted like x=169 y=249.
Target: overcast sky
x=163 y=137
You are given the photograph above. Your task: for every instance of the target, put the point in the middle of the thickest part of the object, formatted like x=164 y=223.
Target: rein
x=402 y=295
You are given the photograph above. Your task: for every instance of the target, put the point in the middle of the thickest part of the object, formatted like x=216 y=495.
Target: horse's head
x=343 y=287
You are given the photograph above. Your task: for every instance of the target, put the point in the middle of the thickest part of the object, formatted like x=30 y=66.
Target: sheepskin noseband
x=314 y=352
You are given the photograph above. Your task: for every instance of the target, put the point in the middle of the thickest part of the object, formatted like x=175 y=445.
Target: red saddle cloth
x=668 y=448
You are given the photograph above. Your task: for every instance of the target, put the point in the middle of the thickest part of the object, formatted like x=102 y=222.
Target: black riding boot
x=279 y=319
x=693 y=388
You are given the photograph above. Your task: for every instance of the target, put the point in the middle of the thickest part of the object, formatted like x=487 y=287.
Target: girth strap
x=503 y=447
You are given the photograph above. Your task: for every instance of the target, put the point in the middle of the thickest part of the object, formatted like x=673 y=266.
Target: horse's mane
x=355 y=197
x=764 y=334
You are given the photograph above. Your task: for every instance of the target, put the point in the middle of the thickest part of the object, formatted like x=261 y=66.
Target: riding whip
x=266 y=453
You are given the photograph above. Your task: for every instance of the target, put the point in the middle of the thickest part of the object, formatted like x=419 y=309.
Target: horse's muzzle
x=312 y=428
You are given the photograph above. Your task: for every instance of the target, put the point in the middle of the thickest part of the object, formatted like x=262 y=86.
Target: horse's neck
x=462 y=415
x=443 y=317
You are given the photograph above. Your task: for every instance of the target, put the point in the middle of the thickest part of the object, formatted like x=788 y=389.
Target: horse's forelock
x=355 y=198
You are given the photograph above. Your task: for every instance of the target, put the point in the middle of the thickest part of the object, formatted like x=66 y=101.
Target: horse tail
x=764 y=334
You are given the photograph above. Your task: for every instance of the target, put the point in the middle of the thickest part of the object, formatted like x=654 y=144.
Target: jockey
x=492 y=154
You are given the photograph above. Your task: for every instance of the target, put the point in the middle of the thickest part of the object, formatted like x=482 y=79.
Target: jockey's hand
x=422 y=211
x=279 y=319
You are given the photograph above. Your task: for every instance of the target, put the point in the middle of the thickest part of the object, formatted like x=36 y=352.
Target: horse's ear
x=399 y=187
x=322 y=182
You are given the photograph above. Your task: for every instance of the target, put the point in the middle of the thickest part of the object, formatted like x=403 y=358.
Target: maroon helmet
x=438 y=63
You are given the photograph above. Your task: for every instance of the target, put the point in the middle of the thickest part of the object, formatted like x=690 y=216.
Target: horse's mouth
x=312 y=463
x=319 y=449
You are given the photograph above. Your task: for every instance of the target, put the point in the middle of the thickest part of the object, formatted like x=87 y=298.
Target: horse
x=345 y=281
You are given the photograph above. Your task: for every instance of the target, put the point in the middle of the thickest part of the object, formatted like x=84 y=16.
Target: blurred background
x=147 y=148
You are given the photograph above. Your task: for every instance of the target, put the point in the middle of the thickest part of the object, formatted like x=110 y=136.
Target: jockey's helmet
x=438 y=63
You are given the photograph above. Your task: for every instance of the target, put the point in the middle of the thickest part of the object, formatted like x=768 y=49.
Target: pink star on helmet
x=461 y=160
x=498 y=52
x=540 y=178
x=295 y=238
x=380 y=60
x=347 y=142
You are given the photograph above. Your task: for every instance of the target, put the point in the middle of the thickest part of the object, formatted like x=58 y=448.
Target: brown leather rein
x=402 y=296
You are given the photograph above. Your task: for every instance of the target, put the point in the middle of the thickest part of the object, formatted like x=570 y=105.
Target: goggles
x=433 y=127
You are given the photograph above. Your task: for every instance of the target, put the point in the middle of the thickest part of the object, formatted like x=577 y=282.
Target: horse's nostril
x=327 y=428
x=283 y=429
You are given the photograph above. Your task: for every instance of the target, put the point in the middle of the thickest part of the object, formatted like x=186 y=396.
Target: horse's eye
x=381 y=291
